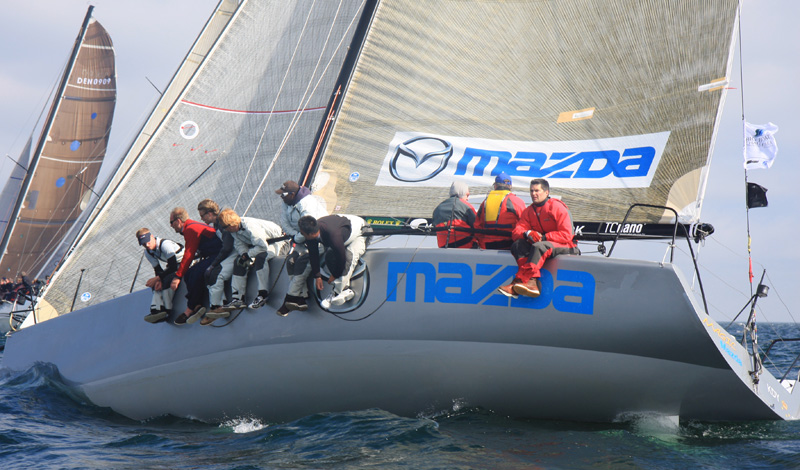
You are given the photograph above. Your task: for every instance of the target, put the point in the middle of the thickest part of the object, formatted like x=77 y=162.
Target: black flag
x=756 y=196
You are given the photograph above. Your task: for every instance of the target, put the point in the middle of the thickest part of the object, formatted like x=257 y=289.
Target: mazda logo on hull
x=431 y=153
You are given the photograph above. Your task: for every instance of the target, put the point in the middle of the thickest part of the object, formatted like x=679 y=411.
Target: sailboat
x=378 y=106
x=46 y=196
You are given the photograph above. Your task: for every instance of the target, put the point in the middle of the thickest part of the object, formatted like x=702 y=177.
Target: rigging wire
x=744 y=146
x=709 y=271
x=774 y=290
x=274 y=104
x=305 y=99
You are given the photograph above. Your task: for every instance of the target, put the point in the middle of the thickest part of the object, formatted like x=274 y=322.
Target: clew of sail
x=238 y=119
x=58 y=184
x=614 y=102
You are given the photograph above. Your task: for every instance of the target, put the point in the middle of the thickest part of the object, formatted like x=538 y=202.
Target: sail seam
x=91 y=89
x=90 y=46
x=240 y=111
x=88 y=162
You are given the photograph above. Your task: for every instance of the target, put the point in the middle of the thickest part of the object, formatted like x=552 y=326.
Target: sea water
x=45 y=425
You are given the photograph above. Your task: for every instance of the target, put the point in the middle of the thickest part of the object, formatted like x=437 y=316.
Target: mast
x=12 y=221
x=348 y=67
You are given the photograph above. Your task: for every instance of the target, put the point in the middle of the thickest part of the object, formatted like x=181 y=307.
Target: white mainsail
x=255 y=100
x=614 y=102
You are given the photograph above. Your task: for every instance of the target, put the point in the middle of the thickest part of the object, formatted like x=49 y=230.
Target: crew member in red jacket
x=500 y=212
x=543 y=230
x=202 y=244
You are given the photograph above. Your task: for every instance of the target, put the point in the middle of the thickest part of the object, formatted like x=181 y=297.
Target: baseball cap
x=288 y=187
x=502 y=178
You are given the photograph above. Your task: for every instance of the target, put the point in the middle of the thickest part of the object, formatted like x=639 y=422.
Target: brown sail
x=64 y=167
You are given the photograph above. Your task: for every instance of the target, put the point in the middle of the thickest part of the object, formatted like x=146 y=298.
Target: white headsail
x=250 y=96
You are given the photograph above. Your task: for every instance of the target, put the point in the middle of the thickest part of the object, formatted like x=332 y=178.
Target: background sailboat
x=57 y=185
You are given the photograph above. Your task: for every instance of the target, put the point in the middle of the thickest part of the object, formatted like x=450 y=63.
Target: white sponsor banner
x=417 y=159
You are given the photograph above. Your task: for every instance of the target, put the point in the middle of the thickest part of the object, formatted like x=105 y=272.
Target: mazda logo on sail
x=420 y=159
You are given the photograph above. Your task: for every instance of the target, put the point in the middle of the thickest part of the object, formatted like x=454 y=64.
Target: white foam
x=243 y=425
x=652 y=424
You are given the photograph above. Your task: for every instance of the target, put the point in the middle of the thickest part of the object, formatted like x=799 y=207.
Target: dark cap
x=288 y=187
x=144 y=238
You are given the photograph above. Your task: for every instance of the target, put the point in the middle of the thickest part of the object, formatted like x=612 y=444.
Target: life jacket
x=172 y=261
x=452 y=213
x=155 y=254
x=500 y=211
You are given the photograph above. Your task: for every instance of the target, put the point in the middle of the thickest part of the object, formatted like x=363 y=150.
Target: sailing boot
x=234 y=304
x=197 y=314
x=156 y=315
x=217 y=311
x=508 y=290
x=283 y=311
x=531 y=288
x=345 y=296
x=295 y=302
x=260 y=300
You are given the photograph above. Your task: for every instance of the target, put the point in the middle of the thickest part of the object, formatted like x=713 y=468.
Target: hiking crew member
x=454 y=212
x=157 y=251
x=201 y=243
x=500 y=211
x=544 y=230
x=297 y=202
x=221 y=268
x=341 y=236
x=250 y=237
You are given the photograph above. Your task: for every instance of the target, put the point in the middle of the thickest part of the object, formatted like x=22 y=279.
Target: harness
x=160 y=251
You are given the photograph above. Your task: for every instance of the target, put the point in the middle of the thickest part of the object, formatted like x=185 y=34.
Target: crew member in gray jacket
x=221 y=269
x=297 y=202
x=251 y=242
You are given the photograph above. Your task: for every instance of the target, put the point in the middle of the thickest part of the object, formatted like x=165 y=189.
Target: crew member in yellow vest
x=500 y=211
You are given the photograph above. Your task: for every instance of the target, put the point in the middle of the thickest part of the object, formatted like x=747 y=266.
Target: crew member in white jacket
x=297 y=202
x=157 y=251
x=250 y=241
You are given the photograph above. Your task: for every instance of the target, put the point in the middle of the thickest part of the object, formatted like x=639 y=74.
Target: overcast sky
x=151 y=37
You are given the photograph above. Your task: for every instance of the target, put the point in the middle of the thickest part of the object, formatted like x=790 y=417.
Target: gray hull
x=607 y=337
